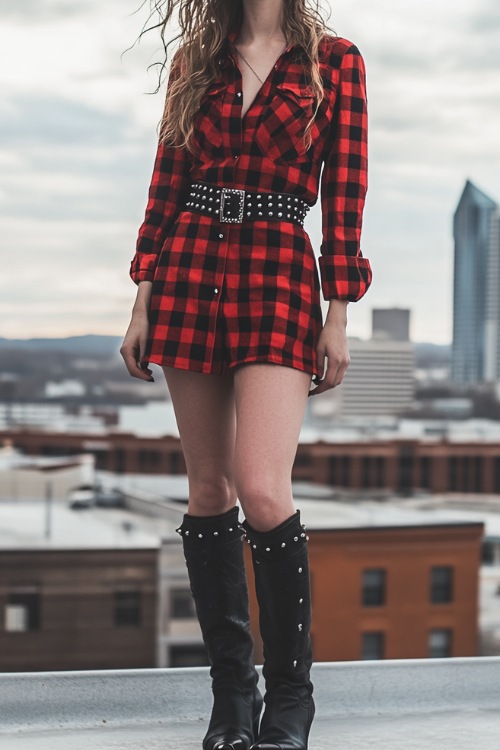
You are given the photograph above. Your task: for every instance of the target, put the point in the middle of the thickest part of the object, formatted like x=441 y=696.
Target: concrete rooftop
x=419 y=704
x=23 y=526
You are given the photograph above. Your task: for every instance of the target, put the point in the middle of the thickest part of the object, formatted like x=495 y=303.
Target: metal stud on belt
x=232 y=205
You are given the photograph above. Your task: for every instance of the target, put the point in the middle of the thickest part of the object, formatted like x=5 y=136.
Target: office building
x=476 y=304
x=391 y=323
x=379 y=381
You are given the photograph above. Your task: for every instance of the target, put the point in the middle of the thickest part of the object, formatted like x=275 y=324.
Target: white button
x=239 y=93
x=221 y=236
x=216 y=290
x=236 y=156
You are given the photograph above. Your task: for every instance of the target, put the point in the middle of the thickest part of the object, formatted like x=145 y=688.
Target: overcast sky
x=78 y=135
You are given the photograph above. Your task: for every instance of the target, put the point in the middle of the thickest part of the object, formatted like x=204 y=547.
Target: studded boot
x=281 y=567
x=213 y=551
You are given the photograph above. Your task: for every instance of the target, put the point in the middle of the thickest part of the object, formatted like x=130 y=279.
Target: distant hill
x=28 y=365
x=426 y=354
x=90 y=344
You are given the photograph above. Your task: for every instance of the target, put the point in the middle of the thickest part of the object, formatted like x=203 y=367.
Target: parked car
x=82 y=497
x=88 y=496
x=113 y=498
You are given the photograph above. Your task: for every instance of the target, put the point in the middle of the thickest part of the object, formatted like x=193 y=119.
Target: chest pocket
x=279 y=134
x=207 y=135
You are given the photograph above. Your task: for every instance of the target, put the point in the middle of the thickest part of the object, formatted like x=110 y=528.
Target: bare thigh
x=270 y=404
x=205 y=413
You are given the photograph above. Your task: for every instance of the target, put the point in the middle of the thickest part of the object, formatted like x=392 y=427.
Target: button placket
x=216 y=289
x=221 y=238
x=236 y=131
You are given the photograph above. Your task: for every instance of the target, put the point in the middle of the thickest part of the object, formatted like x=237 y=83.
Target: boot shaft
x=213 y=551
x=282 y=581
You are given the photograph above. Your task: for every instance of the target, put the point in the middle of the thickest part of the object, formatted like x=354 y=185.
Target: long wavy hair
x=204 y=26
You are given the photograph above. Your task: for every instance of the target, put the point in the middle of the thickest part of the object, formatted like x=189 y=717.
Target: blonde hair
x=204 y=26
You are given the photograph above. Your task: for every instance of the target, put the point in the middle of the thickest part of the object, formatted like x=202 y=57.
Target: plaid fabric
x=223 y=293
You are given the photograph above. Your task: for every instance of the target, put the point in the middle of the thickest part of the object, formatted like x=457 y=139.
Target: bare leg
x=205 y=414
x=270 y=404
x=211 y=536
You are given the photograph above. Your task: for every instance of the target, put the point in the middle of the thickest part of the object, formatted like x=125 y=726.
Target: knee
x=265 y=503
x=211 y=496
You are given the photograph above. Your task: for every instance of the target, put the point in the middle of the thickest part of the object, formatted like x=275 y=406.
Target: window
x=120 y=461
x=52 y=450
x=465 y=465
x=441 y=584
x=373 y=593
x=150 y=459
x=440 y=643
x=176 y=463
x=372 y=645
x=425 y=472
x=339 y=470
x=373 y=471
x=487 y=553
x=365 y=471
x=405 y=471
x=346 y=471
x=182 y=604
x=478 y=473
x=22 y=611
x=302 y=459
x=380 y=464
x=127 y=608
x=452 y=474
x=188 y=656
x=496 y=474
x=332 y=470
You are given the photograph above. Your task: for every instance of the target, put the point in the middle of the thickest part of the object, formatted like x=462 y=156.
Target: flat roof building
x=78 y=588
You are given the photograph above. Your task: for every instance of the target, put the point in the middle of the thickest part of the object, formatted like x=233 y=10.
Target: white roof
x=23 y=526
x=332 y=514
x=320 y=511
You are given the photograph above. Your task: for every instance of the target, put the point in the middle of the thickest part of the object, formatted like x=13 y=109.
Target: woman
x=259 y=96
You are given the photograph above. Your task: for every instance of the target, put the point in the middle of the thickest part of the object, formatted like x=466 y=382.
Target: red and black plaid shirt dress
x=228 y=293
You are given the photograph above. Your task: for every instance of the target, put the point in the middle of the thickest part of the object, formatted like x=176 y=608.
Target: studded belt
x=234 y=206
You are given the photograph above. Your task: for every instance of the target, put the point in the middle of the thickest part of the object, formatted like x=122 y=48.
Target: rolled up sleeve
x=345 y=273
x=168 y=188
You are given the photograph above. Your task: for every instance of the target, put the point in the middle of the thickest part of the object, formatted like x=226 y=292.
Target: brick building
x=398 y=465
x=84 y=598
x=387 y=583
x=394 y=593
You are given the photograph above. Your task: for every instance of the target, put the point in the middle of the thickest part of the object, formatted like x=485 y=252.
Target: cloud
x=53 y=120
x=37 y=12
x=70 y=274
x=485 y=18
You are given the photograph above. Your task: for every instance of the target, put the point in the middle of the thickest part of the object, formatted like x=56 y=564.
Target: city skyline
x=79 y=134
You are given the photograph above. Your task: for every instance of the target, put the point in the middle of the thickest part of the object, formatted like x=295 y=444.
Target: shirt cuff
x=142 y=267
x=344 y=276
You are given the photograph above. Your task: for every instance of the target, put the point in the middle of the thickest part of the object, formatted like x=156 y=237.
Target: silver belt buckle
x=224 y=192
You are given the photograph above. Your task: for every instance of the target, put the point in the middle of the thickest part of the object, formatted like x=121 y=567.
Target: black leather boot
x=281 y=567
x=213 y=551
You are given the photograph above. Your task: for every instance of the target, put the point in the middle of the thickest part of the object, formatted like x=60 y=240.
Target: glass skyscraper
x=476 y=289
